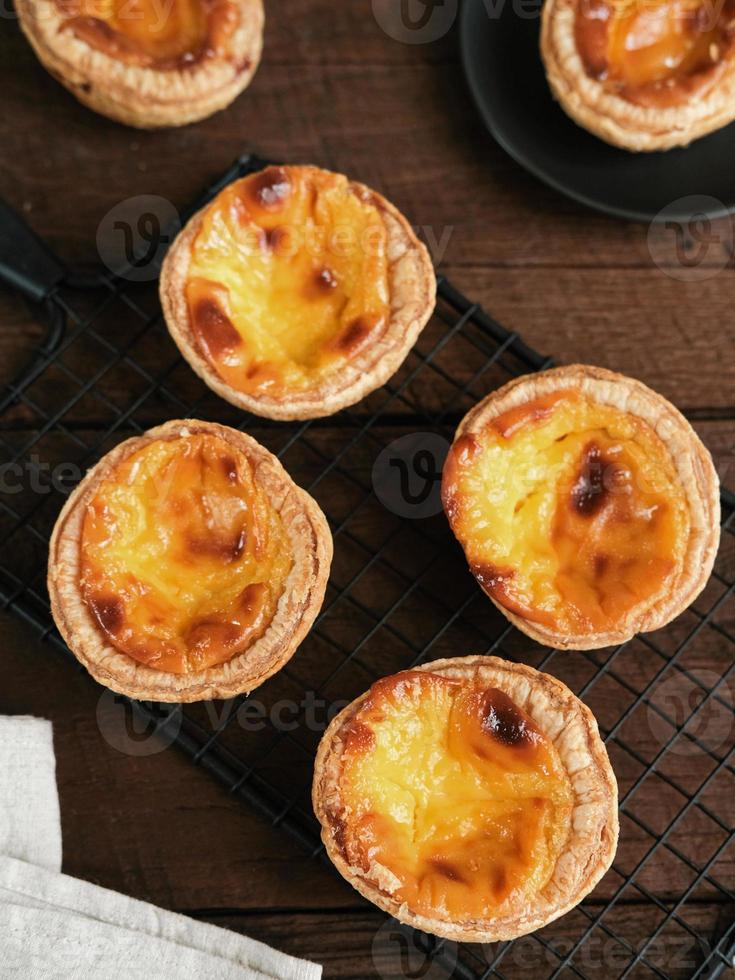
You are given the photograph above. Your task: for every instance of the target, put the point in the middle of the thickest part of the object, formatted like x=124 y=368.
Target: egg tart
x=296 y=291
x=470 y=798
x=187 y=565
x=148 y=63
x=642 y=74
x=586 y=505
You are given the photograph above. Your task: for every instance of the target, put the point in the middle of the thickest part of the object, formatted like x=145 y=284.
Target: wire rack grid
x=400 y=595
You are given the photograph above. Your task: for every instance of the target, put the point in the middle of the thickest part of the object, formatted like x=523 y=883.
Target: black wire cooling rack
x=399 y=594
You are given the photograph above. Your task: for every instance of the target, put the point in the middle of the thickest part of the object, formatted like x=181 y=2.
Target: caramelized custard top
x=570 y=512
x=451 y=787
x=160 y=34
x=655 y=52
x=288 y=278
x=183 y=557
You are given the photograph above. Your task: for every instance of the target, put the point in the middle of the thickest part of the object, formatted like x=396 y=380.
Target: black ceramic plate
x=503 y=66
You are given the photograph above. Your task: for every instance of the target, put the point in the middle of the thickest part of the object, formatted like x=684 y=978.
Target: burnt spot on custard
x=506 y=723
x=321 y=283
x=215 y=631
x=251 y=598
x=278 y=239
x=270 y=189
x=447 y=869
x=591 y=35
x=589 y=490
x=531 y=413
x=462 y=452
x=109 y=612
x=600 y=480
x=326 y=279
x=497 y=583
x=355 y=335
x=214 y=328
x=219 y=548
x=258 y=370
x=229 y=468
x=499 y=882
x=238 y=545
x=205 y=633
x=260 y=375
x=465 y=448
x=600 y=564
x=358 y=737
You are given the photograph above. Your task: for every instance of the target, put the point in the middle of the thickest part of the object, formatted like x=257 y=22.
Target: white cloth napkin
x=53 y=926
x=30 y=824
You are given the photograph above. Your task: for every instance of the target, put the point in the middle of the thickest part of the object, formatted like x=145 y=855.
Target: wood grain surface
x=335 y=90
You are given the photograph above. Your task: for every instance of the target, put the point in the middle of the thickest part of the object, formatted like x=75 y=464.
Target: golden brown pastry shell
x=612 y=117
x=144 y=97
x=591 y=847
x=412 y=285
x=693 y=465
x=303 y=594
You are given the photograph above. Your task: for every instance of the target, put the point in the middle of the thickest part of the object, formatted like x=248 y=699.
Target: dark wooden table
x=333 y=90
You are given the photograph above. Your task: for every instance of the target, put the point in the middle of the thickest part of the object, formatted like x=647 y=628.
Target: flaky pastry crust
x=693 y=465
x=593 y=837
x=412 y=286
x=298 y=606
x=612 y=117
x=144 y=97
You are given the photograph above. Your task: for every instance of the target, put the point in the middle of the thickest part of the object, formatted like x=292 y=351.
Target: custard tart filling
x=655 y=53
x=288 y=278
x=570 y=511
x=183 y=557
x=158 y=34
x=452 y=795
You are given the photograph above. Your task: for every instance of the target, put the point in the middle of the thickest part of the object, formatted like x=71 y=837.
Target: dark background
x=333 y=90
